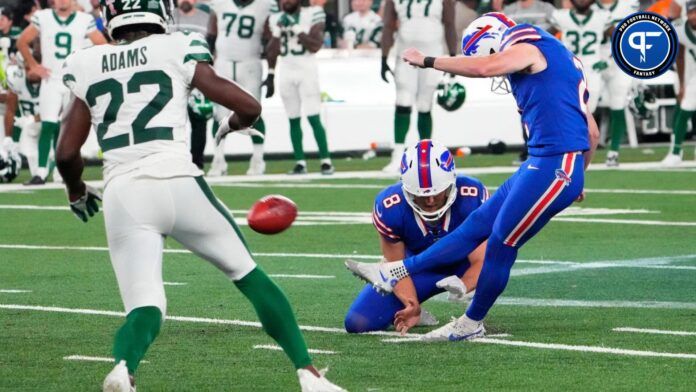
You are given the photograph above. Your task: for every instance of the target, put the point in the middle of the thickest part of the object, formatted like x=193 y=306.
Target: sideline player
x=425 y=25
x=562 y=139
x=362 y=28
x=412 y=215
x=686 y=69
x=61 y=30
x=298 y=33
x=135 y=92
x=238 y=29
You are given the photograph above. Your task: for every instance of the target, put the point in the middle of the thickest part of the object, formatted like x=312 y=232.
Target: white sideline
x=202 y=320
x=301 y=276
x=654 y=331
x=564 y=347
x=278 y=348
x=12 y=291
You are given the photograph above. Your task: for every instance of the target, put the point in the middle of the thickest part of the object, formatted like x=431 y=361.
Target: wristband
x=428 y=62
x=271 y=71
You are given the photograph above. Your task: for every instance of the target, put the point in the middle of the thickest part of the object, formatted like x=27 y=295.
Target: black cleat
x=36 y=180
x=327 y=169
x=299 y=169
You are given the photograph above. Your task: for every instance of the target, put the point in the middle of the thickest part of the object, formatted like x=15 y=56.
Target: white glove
x=224 y=129
x=9 y=146
x=455 y=288
x=86 y=206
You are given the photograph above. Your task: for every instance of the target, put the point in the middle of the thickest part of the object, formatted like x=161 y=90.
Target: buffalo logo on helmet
x=404 y=164
x=447 y=161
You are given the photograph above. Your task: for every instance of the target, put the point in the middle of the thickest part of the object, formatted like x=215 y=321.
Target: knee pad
x=357 y=323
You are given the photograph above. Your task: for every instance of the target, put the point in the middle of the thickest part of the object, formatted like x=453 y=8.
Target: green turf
x=214 y=357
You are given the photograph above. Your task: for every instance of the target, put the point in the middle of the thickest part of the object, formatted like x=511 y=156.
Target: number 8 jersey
x=137 y=93
x=61 y=37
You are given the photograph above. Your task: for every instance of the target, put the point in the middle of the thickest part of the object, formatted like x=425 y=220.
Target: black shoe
x=299 y=169
x=327 y=169
x=36 y=180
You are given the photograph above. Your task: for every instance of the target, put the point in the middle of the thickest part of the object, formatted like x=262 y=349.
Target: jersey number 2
x=141 y=133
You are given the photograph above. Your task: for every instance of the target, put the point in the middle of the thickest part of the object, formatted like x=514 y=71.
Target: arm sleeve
x=91 y=25
x=36 y=21
x=318 y=16
x=71 y=76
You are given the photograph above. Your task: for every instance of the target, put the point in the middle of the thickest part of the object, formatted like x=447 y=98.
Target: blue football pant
x=371 y=311
x=541 y=188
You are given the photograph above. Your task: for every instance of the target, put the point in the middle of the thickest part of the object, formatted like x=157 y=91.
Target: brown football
x=272 y=214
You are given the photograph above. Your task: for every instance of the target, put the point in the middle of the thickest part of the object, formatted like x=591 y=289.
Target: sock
x=319 y=136
x=48 y=130
x=425 y=125
x=216 y=125
x=275 y=314
x=16 y=133
x=301 y=162
x=617 y=128
x=493 y=279
x=296 y=138
x=261 y=127
x=257 y=150
x=402 y=121
x=681 y=118
x=326 y=160
x=135 y=336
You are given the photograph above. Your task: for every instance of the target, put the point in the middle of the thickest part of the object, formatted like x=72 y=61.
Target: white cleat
x=394 y=167
x=218 y=168
x=462 y=328
x=375 y=274
x=612 y=159
x=427 y=319
x=57 y=178
x=672 y=160
x=257 y=166
x=311 y=383
x=455 y=288
x=118 y=380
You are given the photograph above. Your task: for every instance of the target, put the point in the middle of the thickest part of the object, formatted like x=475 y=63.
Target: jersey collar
x=66 y=21
x=444 y=223
x=611 y=7
x=574 y=16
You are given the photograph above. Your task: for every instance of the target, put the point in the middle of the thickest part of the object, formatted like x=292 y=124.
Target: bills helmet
x=484 y=35
x=427 y=169
x=119 y=13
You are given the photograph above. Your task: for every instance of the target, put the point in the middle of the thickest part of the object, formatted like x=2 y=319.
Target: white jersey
x=27 y=92
x=582 y=34
x=291 y=50
x=240 y=28
x=367 y=28
x=419 y=21
x=60 y=37
x=619 y=9
x=687 y=38
x=138 y=95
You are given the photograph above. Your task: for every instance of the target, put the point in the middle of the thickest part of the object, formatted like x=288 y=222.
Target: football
x=272 y=214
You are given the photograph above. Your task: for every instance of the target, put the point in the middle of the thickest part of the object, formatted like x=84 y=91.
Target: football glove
x=224 y=129
x=86 y=206
x=600 y=66
x=385 y=69
x=270 y=85
x=456 y=290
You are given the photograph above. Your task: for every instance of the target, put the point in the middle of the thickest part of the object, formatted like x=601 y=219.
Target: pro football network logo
x=644 y=45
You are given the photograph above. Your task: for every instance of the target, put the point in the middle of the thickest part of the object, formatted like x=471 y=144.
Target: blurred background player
x=188 y=17
x=686 y=98
x=298 y=33
x=238 y=30
x=362 y=28
x=8 y=29
x=62 y=30
x=412 y=215
x=582 y=31
x=426 y=26
x=616 y=84
x=535 y=12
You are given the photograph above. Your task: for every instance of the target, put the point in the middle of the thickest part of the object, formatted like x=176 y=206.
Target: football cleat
x=427 y=319
x=35 y=180
x=218 y=168
x=118 y=380
x=462 y=328
x=455 y=288
x=612 y=159
x=257 y=166
x=672 y=160
x=382 y=276
x=298 y=169
x=327 y=169
x=311 y=383
x=57 y=178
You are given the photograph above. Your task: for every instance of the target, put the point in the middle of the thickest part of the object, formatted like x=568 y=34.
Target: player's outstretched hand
x=414 y=57
x=225 y=129
x=84 y=203
x=39 y=71
x=385 y=70
x=270 y=85
x=407 y=317
x=580 y=198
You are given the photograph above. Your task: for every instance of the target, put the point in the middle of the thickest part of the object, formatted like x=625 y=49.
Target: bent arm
x=23 y=45
x=389 y=27
x=593 y=134
x=73 y=134
x=470 y=278
x=10 y=108
x=97 y=37
x=514 y=59
x=405 y=291
x=314 y=39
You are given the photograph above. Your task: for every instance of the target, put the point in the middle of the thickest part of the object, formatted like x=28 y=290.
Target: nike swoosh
x=453 y=338
x=530 y=167
x=384 y=279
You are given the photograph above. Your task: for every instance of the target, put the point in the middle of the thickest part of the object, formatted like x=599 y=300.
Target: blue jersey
x=396 y=221
x=552 y=102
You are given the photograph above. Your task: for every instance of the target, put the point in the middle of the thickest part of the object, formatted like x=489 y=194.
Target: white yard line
x=418 y=339
x=201 y=320
x=626 y=221
x=278 y=348
x=654 y=331
x=302 y=276
x=175 y=283
x=571 y=303
x=92 y=359
x=12 y=291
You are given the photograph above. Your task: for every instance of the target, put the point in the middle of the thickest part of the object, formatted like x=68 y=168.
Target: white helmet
x=427 y=169
x=484 y=35
x=119 y=13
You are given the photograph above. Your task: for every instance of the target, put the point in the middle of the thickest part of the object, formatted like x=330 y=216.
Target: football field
x=604 y=298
